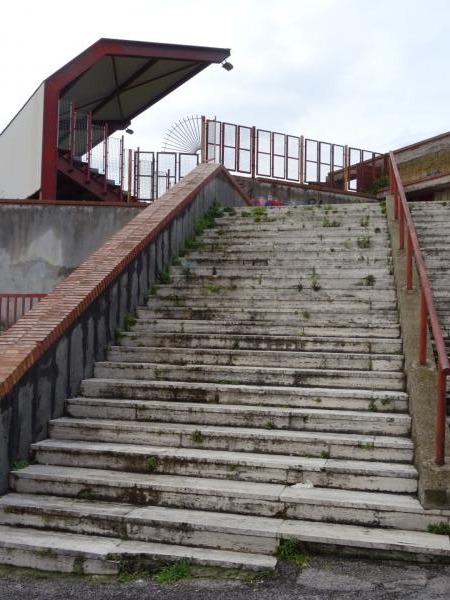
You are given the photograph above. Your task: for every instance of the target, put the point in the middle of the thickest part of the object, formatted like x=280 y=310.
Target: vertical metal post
x=401 y=226
x=121 y=160
x=137 y=179
x=130 y=181
x=301 y=157
x=253 y=152
x=272 y=153
x=346 y=166
x=409 y=282
x=222 y=144
x=440 y=415
x=72 y=134
x=203 y=157
x=423 y=328
x=89 y=147
x=105 y=157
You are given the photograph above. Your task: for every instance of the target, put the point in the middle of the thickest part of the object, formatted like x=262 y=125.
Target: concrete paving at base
x=323 y=578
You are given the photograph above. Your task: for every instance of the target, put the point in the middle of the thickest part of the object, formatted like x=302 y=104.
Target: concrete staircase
x=258 y=397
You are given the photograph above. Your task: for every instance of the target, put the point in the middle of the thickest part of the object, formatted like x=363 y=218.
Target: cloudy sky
x=368 y=74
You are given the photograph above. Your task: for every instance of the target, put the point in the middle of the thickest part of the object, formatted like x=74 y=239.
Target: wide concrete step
x=243 y=327
x=187 y=289
x=215 y=300
x=336 y=378
x=324 y=315
x=320 y=220
x=267 y=468
x=202 y=529
x=361 y=446
x=241 y=279
x=339 y=258
x=288 y=343
x=325 y=246
x=296 y=233
x=344 y=252
x=257 y=358
x=297 y=501
x=324 y=271
x=226 y=394
x=226 y=531
x=235 y=415
x=298 y=230
x=88 y=554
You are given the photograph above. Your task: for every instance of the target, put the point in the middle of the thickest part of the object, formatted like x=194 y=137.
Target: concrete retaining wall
x=45 y=356
x=41 y=244
x=292 y=194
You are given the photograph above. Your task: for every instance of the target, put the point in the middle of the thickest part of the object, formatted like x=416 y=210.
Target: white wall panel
x=21 y=150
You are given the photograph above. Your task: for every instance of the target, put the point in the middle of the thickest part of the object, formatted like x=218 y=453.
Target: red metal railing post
x=89 y=147
x=253 y=152
x=129 y=175
x=401 y=227
x=105 y=157
x=137 y=180
x=441 y=411
x=346 y=167
x=423 y=328
x=301 y=158
x=203 y=158
x=121 y=161
x=7 y=314
x=409 y=278
x=72 y=134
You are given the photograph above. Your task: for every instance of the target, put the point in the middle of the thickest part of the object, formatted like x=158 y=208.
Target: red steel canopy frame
x=116 y=80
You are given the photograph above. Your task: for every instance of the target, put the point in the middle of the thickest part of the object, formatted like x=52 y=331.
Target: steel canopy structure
x=114 y=80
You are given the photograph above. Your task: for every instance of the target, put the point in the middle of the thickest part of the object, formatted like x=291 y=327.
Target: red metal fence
x=279 y=156
x=14 y=306
x=136 y=175
x=427 y=305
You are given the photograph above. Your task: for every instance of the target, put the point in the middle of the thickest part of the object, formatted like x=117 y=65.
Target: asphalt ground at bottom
x=324 y=578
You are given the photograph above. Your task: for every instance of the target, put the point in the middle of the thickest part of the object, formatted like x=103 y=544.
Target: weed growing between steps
x=197 y=437
x=176 y=572
x=152 y=464
x=164 y=277
x=441 y=528
x=315 y=283
x=290 y=550
x=129 y=321
x=363 y=242
x=23 y=463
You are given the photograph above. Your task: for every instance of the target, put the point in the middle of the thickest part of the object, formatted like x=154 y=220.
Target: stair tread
x=102 y=547
x=323 y=413
x=379 y=441
x=368 y=394
x=241 y=458
x=242 y=489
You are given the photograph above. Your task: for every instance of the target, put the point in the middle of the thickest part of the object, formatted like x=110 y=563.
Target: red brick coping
x=23 y=344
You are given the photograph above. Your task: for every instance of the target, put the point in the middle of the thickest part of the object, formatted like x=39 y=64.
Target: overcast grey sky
x=372 y=74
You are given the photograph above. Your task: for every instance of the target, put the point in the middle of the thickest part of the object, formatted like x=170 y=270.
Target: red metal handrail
x=427 y=305
x=14 y=306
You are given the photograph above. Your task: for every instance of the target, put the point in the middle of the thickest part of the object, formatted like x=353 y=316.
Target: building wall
x=21 y=150
x=41 y=243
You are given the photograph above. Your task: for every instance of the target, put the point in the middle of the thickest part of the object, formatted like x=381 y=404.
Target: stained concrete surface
x=324 y=578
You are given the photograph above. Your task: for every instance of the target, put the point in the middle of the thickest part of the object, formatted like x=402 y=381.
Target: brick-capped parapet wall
x=46 y=354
